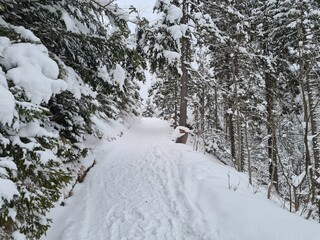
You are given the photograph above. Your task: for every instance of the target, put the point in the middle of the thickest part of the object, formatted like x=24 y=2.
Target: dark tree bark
x=185 y=56
x=184 y=77
x=272 y=144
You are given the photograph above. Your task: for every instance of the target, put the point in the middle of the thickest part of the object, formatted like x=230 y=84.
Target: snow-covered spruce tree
x=260 y=72
x=207 y=106
x=162 y=48
x=91 y=37
x=271 y=35
x=169 y=44
x=265 y=57
x=200 y=97
x=165 y=95
x=231 y=60
x=298 y=50
x=283 y=39
x=31 y=150
x=149 y=110
x=84 y=44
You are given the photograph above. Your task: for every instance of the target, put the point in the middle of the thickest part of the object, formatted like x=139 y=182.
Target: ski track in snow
x=146 y=187
x=135 y=191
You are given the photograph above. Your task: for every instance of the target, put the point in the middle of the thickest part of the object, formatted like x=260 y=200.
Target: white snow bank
x=119 y=76
x=69 y=22
x=18 y=236
x=26 y=54
x=26 y=34
x=8 y=163
x=46 y=156
x=177 y=31
x=4 y=42
x=33 y=129
x=30 y=67
x=7 y=103
x=116 y=76
x=174 y=13
x=76 y=84
x=3 y=80
x=104 y=74
x=7 y=190
x=171 y=55
x=230 y=204
x=7 y=106
x=73 y=25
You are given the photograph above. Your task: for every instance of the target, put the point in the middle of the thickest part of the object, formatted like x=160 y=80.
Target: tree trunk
x=272 y=156
x=231 y=135
x=308 y=170
x=239 y=128
x=184 y=77
x=248 y=152
x=184 y=94
x=313 y=102
x=216 y=120
x=175 y=103
x=184 y=59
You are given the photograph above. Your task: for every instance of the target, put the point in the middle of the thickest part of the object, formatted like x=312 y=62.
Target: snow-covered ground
x=144 y=186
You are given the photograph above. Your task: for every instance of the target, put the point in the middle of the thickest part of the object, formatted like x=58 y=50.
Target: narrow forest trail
x=144 y=186
x=134 y=192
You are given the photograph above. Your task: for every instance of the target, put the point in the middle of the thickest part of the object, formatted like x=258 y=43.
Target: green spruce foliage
x=253 y=87
x=96 y=70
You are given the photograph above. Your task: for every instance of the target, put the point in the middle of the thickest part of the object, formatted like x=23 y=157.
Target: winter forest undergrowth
x=243 y=75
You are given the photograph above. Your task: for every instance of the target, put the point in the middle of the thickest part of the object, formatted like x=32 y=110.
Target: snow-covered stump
x=181 y=134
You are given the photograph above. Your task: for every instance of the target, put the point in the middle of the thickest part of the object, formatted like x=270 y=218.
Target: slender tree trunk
x=184 y=92
x=231 y=135
x=229 y=129
x=272 y=157
x=307 y=115
x=184 y=77
x=308 y=170
x=270 y=90
x=216 y=120
x=175 y=103
x=311 y=89
x=312 y=100
x=202 y=111
x=239 y=128
x=248 y=151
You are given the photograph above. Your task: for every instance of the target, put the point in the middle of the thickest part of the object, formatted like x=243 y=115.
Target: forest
x=243 y=75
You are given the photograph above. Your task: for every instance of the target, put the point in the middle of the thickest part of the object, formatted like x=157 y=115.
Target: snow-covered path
x=134 y=192
x=144 y=186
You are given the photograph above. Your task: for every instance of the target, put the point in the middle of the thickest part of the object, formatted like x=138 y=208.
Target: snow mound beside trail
x=234 y=209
